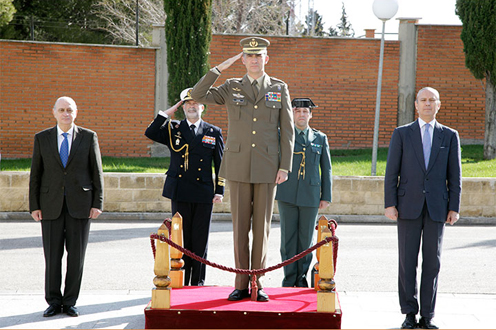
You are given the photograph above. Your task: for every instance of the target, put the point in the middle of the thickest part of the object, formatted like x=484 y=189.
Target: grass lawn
x=355 y=162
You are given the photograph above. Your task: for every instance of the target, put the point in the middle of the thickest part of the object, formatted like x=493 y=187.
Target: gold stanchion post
x=177 y=274
x=161 y=292
x=326 y=296
x=323 y=223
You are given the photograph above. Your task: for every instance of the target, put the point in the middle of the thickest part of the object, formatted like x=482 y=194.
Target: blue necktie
x=64 y=150
x=427 y=144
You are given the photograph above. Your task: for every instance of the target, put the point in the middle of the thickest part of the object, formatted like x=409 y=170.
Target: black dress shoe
x=426 y=323
x=71 y=311
x=410 y=322
x=52 y=310
x=262 y=296
x=302 y=283
x=238 y=295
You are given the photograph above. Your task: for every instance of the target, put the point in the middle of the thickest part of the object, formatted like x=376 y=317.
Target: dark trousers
x=196 y=228
x=297 y=229
x=73 y=233
x=410 y=234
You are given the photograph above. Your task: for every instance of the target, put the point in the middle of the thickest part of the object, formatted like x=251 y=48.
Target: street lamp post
x=384 y=10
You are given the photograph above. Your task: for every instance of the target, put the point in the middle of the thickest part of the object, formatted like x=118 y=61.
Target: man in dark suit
x=194 y=145
x=257 y=158
x=307 y=190
x=422 y=190
x=65 y=193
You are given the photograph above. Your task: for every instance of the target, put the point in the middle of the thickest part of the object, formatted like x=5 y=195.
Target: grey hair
x=68 y=99
x=430 y=89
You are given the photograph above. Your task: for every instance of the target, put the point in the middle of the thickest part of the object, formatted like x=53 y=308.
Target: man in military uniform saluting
x=256 y=159
x=307 y=190
x=194 y=144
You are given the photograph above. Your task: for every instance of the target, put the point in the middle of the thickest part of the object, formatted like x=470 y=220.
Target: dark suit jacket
x=195 y=185
x=408 y=184
x=81 y=180
x=317 y=184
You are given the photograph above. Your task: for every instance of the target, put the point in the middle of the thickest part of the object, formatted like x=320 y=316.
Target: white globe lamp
x=385 y=9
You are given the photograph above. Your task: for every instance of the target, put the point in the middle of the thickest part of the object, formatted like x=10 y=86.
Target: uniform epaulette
x=277 y=80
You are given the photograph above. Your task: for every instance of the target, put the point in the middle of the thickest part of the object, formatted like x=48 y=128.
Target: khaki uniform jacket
x=254 y=152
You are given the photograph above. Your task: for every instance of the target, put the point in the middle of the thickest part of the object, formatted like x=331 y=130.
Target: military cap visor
x=186 y=94
x=254 y=45
x=303 y=103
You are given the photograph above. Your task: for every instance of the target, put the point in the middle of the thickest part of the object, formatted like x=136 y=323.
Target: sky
x=361 y=16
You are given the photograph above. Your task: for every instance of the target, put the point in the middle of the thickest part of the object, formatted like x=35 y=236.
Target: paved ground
x=119 y=271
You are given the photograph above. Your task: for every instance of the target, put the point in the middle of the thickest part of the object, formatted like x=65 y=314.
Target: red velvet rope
x=253 y=272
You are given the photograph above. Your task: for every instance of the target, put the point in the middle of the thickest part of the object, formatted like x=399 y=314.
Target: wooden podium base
x=208 y=308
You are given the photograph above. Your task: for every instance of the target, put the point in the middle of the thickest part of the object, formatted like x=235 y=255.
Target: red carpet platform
x=208 y=308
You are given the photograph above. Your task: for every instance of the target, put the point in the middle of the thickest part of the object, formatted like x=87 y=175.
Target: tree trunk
x=490 y=129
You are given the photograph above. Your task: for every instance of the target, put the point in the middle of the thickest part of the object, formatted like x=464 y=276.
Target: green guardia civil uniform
x=298 y=200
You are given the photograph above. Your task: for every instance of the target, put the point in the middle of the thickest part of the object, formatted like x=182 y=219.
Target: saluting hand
x=227 y=63
x=169 y=112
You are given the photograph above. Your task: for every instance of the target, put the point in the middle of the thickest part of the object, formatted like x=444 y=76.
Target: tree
x=54 y=20
x=120 y=19
x=333 y=32
x=345 y=29
x=188 y=32
x=250 y=16
x=314 y=24
x=479 y=40
x=7 y=11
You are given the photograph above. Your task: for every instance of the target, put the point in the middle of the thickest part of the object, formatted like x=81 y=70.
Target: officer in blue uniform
x=194 y=146
x=307 y=190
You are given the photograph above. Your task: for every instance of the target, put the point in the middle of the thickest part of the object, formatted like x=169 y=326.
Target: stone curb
x=153 y=216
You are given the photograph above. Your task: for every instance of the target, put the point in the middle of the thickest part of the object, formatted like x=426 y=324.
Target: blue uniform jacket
x=196 y=183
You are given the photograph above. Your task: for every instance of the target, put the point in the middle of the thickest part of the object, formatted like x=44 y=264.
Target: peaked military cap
x=186 y=94
x=303 y=103
x=254 y=45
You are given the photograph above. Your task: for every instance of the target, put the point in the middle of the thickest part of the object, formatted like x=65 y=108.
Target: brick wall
x=441 y=64
x=115 y=87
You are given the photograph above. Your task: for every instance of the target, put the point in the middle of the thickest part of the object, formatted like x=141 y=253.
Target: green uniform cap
x=254 y=45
